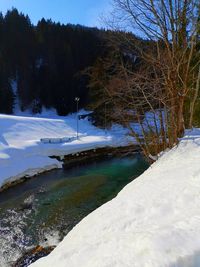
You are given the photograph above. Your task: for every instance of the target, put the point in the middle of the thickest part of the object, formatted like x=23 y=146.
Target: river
x=42 y=210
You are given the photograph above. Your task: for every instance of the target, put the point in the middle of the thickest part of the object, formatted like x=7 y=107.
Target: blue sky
x=86 y=12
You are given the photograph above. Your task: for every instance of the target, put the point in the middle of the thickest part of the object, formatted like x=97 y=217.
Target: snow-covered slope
x=22 y=153
x=153 y=222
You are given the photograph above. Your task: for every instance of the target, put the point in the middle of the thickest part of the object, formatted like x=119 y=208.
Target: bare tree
x=165 y=83
x=131 y=95
x=172 y=24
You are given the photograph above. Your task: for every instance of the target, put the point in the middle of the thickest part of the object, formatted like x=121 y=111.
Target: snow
x=153 y=222
x=23 y=154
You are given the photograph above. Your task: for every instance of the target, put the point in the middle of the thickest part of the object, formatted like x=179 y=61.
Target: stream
x=42 y=210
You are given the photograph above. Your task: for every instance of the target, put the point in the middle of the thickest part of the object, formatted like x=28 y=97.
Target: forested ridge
x=41 y=65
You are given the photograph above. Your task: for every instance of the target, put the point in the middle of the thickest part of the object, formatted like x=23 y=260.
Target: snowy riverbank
x=22 y=154
x=153 y=222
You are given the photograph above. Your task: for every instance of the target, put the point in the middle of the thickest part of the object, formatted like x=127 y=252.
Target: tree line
x=42 y=65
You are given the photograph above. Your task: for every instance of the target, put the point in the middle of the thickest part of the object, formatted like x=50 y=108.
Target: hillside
x=46 y=70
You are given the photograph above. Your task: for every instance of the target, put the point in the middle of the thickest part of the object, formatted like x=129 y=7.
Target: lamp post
x=77 y=102
x=105 y=118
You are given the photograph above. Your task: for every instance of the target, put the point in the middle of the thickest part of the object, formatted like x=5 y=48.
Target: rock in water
x=33 y=255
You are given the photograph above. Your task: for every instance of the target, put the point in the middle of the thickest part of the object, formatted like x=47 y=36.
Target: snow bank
x=153 y=222
x=22 y=153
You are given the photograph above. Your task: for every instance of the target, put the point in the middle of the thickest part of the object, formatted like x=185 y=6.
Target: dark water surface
x=42 y=210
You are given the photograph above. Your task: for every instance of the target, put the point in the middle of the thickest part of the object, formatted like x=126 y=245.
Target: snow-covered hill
x=22 y=153
x=153 y=222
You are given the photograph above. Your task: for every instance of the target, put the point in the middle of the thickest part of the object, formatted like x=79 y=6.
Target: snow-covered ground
x=22 y=153
x=153 y=222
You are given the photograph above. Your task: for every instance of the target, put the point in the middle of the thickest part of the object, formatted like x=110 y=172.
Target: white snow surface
x=153 y=222
x=22 y=153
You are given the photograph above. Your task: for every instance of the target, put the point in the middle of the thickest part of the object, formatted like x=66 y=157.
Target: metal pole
x=77 y=117
x=105 y=120
x=77 y=100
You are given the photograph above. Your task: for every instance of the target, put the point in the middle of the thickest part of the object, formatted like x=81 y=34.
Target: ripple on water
x=41 y=211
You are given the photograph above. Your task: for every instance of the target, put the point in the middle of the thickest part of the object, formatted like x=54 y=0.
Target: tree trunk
x=192 y=106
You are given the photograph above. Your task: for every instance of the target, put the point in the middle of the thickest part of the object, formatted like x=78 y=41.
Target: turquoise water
x=44 y=209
